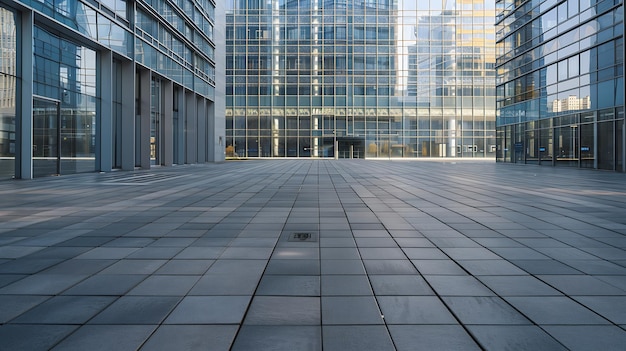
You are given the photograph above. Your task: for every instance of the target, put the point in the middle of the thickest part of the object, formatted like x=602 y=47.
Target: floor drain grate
x=302 y=237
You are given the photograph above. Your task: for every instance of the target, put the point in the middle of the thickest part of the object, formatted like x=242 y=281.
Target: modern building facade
x=360 y=78
x=560 y=92
x=90 y=85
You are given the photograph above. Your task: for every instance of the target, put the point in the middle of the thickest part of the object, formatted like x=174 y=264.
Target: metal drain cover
x=302 y=236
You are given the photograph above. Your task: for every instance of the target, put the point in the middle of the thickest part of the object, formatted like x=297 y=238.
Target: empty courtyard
x=315 y=255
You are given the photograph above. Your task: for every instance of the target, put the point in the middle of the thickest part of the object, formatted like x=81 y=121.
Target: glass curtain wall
x=66 y=72
x=561 y=76
x=355 y=79
x=8 y=86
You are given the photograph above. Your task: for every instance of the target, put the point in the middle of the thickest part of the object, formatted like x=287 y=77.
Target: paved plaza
x=315 y=255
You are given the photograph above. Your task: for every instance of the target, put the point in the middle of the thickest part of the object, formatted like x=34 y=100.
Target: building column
x=128 y=115
x=201 y=145
x=145 y=96
x=215 y=140
x=216 y=109
x=24 y=120
x=179 y=128
x=167 y=124
x=191 y=125
x=104 y=141
x=623 y=146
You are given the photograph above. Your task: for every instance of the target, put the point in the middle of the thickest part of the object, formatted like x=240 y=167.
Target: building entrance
x=350 y=147
x=46 y=137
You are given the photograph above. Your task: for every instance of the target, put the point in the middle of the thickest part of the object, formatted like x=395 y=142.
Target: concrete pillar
x=167 y=124
x=201 y=145
x=128 y=115
x=104 y=141
x=179 y=128
x=216 y=111
x=191 y=125
x=24 y=120
x=145 y=80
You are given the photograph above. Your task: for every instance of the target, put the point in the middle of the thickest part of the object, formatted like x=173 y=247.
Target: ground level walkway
x=311 y=255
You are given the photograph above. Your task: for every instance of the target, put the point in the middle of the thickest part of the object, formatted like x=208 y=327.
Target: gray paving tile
x=33 y=337
x=193 y=267
x=519 y=253
x=137 y=310
x=447 y=285
x=414 y=310
x=487 y=310
x=209 y=310
x=389 y=267
x=134 y=267
x=599 y=267
x=612 y=308
x=357 y=338
x=580 y=338
x=155 y=253
x=382 y=253
x=191 y=337
x=165 y=285
x=339 y=285
x=413 y=242
x=106 y=284
x=278 y=338
x=421 y=253
x=376 y=242
x=42 y=284
x=28 y=266
x=518 y=286
x=289 y=285
x=107 y=253
x=431 y=337
x=580 y=285
x=80 y=267
x=226 y=284
x=537 y=267
x=284 y=310
x=106 y=337
x=517 y=337
x=400 y=285
x=65 y=310
x=253 y=242
x=351 y=310
x=295 y=253
x=339 y=253
x=200 y=253
x=561 y=310
x=438 y=267
x=336 y=242
x=14 y=251
x=235 y=267
x=491 y=267
x=12 y=306
x=259 y=253
x=293 y=267
x=342 y=267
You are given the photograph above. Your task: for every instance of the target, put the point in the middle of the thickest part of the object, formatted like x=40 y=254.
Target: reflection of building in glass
x=109 y=84
x=560 y=94
x=360 y=79
x=571 y=103
x=8 y=86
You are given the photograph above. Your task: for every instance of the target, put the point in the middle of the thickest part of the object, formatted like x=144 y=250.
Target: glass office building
x=360 y=78
x=560 y=92
x=90 y=85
